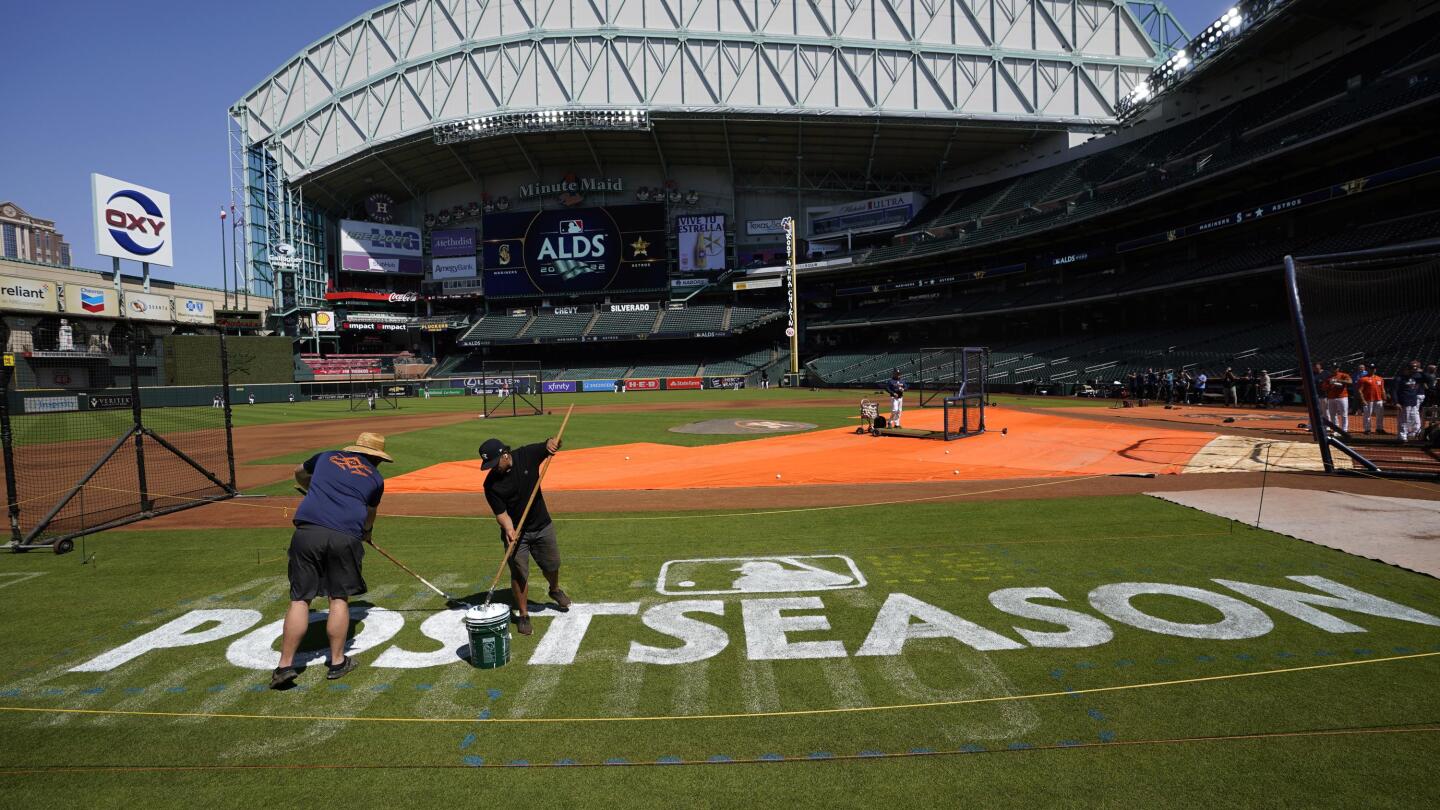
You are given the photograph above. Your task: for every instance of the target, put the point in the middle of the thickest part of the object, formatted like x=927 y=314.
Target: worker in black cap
x=513 y=474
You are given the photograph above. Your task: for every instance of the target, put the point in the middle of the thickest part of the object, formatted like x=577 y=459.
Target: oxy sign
x=1020 y=618
x=131 y=221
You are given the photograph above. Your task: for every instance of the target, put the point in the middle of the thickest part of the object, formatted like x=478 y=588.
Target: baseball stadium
x=998 y=402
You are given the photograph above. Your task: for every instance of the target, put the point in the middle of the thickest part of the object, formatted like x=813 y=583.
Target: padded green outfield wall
x=195 y=360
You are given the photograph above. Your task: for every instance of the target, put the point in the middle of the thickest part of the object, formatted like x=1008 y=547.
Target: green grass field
x=1261 y=717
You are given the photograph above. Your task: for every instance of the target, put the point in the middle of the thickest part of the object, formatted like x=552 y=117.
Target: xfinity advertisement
x=575 y=250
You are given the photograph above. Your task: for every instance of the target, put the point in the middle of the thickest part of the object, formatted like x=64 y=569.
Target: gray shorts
x=540 y=544
x=324 y=562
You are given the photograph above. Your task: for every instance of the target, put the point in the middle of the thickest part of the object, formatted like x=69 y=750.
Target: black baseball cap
x=490 y=452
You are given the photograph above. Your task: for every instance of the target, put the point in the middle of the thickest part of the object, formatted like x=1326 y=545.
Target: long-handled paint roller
x=510 y=547
x=407 y=570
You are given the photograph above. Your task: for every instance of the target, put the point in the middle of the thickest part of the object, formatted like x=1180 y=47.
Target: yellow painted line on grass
x=736 y=716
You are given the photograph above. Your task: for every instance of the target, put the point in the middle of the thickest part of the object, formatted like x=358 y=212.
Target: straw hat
x=370 y=444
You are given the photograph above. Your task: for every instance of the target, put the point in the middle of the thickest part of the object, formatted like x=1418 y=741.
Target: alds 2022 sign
x=575 y=250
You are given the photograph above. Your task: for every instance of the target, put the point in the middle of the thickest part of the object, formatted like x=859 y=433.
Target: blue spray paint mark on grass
x=175 y=690
x=484 y=714
x=1107 y=736
x=1069 y=743
x=467 y=742
x=339 y=687
x=493 y=694
x=1020 y=746
x=821 y=755
x=1057 y=674
x=255 y=687
x=771 y=757
x=1164 y=662
x=1403 y=650
x=870 y=752
x=94 y=690
x=465 y=685
x=617 y=761
x=1204 y=659
x=424 y=687
x=518 y=763
x=1364 y=651
x=216 y=688
x=973 y=748
x=1284 y=654
x=1244 y=657
x=53 y=692
x=669 y=760
x=922 y=751
x=1124 y=662
x=10 y=693
x=1095 y=715
x=566 y=761
x=473 y=761
x=720 y=758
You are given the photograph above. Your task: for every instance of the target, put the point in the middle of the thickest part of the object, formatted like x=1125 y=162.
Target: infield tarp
x=1037 y=446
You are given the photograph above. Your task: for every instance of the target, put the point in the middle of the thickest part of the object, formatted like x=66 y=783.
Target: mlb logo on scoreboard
x=569 y=226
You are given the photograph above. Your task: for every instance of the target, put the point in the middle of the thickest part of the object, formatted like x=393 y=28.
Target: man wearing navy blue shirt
x=342 y=491
x=895 y=387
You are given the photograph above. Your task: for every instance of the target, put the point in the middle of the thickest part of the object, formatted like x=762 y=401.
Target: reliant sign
x=27 y=296
x=131 y=221
x=783 y=617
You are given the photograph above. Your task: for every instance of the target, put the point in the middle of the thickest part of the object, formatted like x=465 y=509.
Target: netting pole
x=138 y=426
x=225 y=402
x=1308 y=385
x=7 y=439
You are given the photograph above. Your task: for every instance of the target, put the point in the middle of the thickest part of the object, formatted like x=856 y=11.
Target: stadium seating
x=495 y=327
x=704 y=318
x=348 y=365
x=623 y=323
x=665 y=370
x=557 y=327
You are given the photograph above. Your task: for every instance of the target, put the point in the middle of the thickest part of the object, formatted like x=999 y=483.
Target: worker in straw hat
x=342 y=491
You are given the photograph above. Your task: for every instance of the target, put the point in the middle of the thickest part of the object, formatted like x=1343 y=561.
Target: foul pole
x=792 y=330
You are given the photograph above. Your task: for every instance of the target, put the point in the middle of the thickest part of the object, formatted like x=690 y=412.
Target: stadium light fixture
x=548 y=120
x=1214 y=38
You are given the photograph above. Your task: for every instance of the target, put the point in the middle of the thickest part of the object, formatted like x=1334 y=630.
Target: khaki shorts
x=540 y=544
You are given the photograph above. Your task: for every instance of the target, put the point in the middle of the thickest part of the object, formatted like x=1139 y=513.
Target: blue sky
x=139 y=91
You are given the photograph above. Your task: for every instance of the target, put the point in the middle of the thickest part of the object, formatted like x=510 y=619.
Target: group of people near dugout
x=1187 y=387
x=1367 y=392
x=335 y=519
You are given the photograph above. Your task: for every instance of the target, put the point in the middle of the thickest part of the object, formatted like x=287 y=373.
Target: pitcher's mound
x=742 y=426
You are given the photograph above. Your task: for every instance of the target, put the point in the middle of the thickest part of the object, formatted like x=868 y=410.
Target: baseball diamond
x=722 y=404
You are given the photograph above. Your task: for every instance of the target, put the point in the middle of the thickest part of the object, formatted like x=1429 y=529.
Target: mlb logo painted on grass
x=729 y=575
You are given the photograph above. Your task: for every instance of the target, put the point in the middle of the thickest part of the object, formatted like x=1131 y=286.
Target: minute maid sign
x=780 y=597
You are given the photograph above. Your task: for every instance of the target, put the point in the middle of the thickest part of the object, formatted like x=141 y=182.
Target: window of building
x=12 y=250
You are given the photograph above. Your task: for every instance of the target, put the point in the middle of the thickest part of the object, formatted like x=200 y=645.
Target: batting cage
x=92 y=436
x=510 y=388
x=369 y=392
x=952 y=372
x=1367 y=338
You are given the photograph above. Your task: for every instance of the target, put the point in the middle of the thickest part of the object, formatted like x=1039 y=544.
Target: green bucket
x=489 y=629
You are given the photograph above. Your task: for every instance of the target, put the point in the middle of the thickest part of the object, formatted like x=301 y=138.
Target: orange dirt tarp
x=1037 y=445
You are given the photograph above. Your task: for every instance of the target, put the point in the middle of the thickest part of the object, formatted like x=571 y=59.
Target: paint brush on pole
x=406 y=569
x=519 y=526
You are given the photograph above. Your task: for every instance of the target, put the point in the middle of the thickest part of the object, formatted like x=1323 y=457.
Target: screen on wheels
x=575 y=250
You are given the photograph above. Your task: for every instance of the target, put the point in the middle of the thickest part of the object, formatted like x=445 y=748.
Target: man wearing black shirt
x=513 y=474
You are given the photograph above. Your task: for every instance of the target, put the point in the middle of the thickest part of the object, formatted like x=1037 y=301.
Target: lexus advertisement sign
x=575 y=250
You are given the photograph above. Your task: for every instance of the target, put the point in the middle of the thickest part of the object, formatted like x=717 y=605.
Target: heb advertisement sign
x=147 y=307
x=194 y=310
x=683 y=383
x=101 y=302
x=642 y=385
x=26 y=295
x=559 y=387
x=375 y=247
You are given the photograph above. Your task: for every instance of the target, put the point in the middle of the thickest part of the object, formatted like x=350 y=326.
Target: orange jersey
x=1336 y=387
x=1372 y=388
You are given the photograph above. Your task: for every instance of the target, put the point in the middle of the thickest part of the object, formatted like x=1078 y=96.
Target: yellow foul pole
x=792 y=330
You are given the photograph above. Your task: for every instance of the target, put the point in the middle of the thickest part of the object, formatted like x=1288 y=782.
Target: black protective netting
x=72 y=412
x=1376 y=314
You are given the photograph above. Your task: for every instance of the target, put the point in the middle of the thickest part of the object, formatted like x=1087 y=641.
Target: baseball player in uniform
x=895 y=387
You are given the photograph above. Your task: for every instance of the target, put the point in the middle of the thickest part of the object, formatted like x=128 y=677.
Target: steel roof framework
x=408 y=66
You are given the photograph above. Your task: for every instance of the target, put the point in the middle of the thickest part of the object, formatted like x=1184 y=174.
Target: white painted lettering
x=892 y=628
x=256 y=649
x=179 y=632
x=1299 y=604
x=765 y=630
x=701 y=640
x=562 y=640
x=1238 y=619
x=446 y=627
x=1081 y=630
